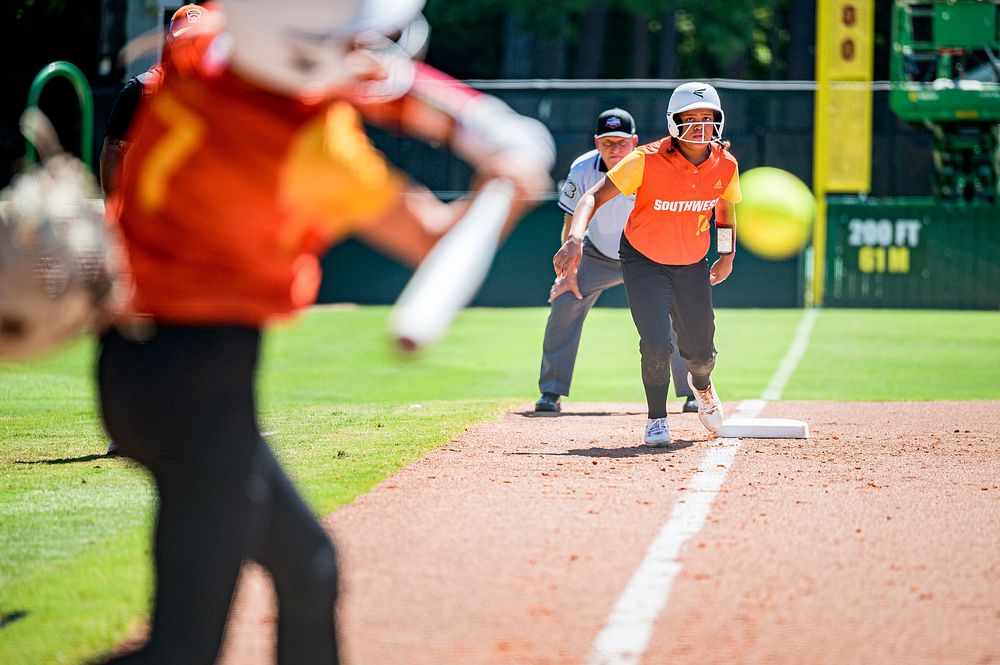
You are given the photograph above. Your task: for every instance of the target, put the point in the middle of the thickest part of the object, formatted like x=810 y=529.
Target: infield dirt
x=877 y=540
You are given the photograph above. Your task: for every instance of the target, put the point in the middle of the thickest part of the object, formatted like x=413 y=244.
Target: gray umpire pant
x=596 y=274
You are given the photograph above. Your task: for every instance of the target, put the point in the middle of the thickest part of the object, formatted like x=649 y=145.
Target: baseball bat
x=453 y=271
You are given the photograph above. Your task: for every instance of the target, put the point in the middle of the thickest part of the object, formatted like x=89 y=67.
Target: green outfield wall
x=912 y=252
x=907 y=253
x=522 y=273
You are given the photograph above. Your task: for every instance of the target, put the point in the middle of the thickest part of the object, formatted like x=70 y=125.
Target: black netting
x=767 y=127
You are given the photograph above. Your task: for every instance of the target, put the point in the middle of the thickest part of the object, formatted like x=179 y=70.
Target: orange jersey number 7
x=183 y=134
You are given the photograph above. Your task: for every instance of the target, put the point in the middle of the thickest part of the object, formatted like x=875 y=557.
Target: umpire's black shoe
x=548 y=402
x=690 y=406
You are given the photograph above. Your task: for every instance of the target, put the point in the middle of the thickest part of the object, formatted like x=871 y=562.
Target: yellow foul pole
x=842 y=139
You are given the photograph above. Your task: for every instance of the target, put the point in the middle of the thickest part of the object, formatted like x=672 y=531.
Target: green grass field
x=346 y=412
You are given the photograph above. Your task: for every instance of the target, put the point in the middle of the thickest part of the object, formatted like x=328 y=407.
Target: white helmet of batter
x=691 y=96
x=301 y=48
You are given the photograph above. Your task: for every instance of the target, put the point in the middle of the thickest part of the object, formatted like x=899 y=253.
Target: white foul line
x=792 y=357
x=626 y=633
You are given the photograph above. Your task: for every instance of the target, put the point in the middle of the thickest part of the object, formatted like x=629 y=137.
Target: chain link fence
x=769 y=124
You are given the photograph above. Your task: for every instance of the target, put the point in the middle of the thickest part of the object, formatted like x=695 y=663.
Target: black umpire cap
x=615 y=122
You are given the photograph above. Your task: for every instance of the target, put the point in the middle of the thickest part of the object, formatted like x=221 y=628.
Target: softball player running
x=678 y=181
x=574 y=294
x=248 y=162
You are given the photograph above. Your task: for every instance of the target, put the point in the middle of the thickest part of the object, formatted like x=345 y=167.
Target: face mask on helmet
x=711 y=131
x=315 y=49
x=691 y=97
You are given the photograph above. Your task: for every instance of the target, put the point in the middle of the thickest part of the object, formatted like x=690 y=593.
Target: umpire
x=574 y=294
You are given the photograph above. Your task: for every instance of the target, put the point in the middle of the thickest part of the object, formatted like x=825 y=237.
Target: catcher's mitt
x=57 y=266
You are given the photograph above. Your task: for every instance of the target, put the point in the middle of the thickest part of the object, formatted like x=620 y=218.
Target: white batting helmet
x=691 y=96
x=299 y=48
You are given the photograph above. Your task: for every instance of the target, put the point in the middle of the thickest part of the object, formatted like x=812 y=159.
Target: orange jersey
x=674 y=199
x=229 y=193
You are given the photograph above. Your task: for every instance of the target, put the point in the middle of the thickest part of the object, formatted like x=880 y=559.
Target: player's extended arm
x=408 y=229
x=481 y=129
x=567 y=223
x=565 y=283
x=568 y=256
x=512 y=156
x=725 y=222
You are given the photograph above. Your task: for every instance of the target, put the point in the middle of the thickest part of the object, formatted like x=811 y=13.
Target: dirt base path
x=877 y=540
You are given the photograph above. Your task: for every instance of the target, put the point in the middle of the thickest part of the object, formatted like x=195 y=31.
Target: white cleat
x=709 y=406
x=657 y=432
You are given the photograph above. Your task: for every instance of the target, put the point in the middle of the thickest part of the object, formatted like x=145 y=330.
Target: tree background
x=587 y=39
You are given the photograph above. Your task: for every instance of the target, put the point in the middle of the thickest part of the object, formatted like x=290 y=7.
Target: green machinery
x=945 y=67
x=936 y=251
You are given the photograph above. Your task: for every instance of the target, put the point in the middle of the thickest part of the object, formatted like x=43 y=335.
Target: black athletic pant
x=182 y=404
x=653 y=291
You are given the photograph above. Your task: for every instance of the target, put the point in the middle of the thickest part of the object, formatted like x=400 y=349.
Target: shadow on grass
x=68 y=460
x=10 y=617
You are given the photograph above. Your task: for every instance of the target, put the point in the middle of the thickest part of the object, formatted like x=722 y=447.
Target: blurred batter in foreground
x=247 y=163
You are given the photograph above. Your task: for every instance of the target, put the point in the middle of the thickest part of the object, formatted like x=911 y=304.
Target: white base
x=763 y=428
